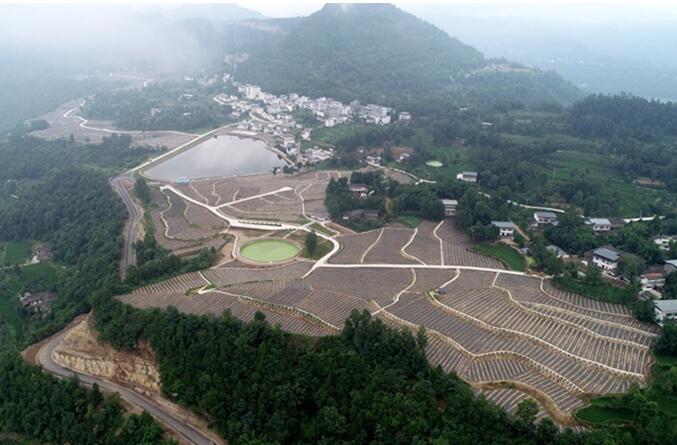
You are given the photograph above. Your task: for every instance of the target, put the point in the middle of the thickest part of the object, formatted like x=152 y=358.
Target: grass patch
x=322 y=229
x=331 y=135
x=601 y=291
x=411 y=221
x=666 y=360
x=323 y=248
x=17 y=252
x=9 y=308
x=604 y=411
x=45 y=273
x=512 y=258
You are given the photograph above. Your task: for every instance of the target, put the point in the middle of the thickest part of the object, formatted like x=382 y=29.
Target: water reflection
x=220 y=156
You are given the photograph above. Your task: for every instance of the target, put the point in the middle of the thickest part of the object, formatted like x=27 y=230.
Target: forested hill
x=378 y=53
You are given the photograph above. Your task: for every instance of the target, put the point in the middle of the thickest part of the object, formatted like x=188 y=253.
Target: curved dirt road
x=189 y=433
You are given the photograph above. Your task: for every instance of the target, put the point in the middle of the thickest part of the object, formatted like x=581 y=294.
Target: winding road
x=129 y=253
x=188 y=432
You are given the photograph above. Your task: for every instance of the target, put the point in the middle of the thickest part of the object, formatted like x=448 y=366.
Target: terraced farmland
x=387 y=249
x=455 y=246
x=353 y=247
x=507 y=334
x=426 y=246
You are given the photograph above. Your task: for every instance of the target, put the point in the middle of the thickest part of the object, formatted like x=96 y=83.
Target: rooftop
x=607 y=253
x=449 y=202
x=666 y=305
x=545 y=215
x=503 y=224
x=556 y=249
x=469 y=173
x=599 y=221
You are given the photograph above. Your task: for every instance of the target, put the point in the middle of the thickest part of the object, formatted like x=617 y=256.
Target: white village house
x=599 y=225
x=663 y=241
x=449 y=206
x=665 y=310
x=606 y=258
x=467 y=176
x=506 y=229
x=545 y=218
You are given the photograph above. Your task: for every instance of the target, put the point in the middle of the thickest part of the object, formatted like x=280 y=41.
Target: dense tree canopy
x=624 y=116
x=39 y=406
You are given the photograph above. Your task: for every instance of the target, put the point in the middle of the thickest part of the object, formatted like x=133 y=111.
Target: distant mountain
x=246 y=36
x=218 y=12
x=596 y=57
x=378 y=53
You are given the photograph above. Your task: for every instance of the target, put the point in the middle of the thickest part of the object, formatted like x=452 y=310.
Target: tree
x=571 y=234
x=527 y=410
x=670 y=288
x=141 y=190
x=667 y=342
x=593 y=275
x=630 y=266
x=311 y=242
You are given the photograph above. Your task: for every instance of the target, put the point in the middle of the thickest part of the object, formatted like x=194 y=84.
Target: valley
x=347 y=227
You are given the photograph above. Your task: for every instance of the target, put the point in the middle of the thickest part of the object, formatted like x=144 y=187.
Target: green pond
x=436 y=164
x=269 y=250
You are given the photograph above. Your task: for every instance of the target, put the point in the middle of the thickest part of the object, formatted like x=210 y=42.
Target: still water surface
x=220 y=156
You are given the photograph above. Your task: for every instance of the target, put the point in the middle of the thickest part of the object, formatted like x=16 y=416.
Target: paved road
x=173 y=422
x=129 y=253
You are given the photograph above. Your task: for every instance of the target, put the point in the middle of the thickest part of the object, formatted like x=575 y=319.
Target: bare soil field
x=61 y=126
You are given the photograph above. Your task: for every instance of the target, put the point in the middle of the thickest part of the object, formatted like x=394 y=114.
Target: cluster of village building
x=267 y=113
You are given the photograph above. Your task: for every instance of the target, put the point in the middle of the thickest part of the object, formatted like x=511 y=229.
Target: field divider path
x=440 y=240
x=512 y=332
x=397 y=296
x=456 y=276
x=162 y=215
x=403 y=250
x=541 y=368
x=197 y=192
x=371 y=246
x=578 y=327
x=249 y=198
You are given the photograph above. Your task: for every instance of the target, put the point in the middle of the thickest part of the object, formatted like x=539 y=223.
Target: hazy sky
x=566 y=10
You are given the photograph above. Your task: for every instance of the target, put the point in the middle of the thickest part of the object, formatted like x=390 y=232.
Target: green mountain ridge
x=378 y=53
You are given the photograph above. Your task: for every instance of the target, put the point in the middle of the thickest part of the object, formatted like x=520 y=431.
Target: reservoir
x=220 y=156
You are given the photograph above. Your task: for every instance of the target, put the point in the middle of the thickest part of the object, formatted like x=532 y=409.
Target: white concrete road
x=180 y=426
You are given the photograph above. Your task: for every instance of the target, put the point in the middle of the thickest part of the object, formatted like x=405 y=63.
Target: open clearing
x=16 y=252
